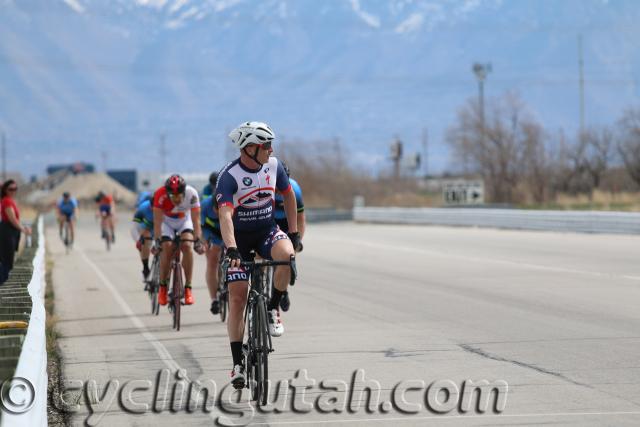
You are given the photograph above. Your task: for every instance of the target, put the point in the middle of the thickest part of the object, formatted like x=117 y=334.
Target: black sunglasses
x=12 y=189
x=265 y=145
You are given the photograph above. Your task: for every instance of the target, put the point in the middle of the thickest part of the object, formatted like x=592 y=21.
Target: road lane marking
x=162 y=351
x=484 y=259
x=451 y=417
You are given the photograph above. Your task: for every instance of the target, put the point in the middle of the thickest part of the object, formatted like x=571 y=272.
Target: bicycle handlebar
x=266 y=263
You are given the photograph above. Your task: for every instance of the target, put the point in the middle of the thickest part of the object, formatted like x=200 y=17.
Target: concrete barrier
x=563 y=221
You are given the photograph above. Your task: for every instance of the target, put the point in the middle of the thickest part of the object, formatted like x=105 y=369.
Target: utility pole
x=481 y=71
x=396 y=156
x=425 y=150
x=163 y=152
x=104 y=161
x=4 y=157
x=581 y=80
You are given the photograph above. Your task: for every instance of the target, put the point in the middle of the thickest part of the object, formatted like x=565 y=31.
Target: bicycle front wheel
x=262 y=356
x=155 y=283
x=176 y=295
x=253 y=366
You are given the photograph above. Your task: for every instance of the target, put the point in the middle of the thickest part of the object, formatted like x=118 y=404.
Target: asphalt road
x=553 y=317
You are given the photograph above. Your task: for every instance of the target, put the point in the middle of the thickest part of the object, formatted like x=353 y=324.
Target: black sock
x=236 y=352
x=275 y=299
x=145 y=264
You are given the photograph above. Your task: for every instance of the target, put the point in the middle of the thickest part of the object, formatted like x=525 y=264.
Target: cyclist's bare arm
x=197 y=227
x=291 y=210
x=158 y=217
x=226 y=226
x=302 y=222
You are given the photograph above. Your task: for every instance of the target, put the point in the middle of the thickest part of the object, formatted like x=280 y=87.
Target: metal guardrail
x=563 y=221
x=29 y=356
x=325 y=215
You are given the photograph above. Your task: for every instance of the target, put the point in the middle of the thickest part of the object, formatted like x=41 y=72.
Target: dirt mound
x=84 y=187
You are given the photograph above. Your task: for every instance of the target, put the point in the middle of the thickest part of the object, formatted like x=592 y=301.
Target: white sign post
x=463 y=192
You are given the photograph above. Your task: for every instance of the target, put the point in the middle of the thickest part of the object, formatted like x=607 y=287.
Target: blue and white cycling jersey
x=279 y=212
x=144 y=215
x=68 y=207
x=251 y=193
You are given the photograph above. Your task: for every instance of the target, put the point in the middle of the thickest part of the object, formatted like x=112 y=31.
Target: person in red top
x=107 y=213
x=176 y=210
x=10 y=228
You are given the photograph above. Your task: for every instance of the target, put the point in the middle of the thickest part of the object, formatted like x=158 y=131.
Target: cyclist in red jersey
x=176 y=209
x=107 y=211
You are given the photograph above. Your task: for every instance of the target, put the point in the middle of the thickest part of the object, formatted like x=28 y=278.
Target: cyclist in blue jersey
x=207 y=191
x=281 y=219
x=213 y=241
x=67 y=207
x=143 y=228
x=144 y=196
x=245 y=197
x=279 y=213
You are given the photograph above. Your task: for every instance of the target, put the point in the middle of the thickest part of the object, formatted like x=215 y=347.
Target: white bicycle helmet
x=251 y=133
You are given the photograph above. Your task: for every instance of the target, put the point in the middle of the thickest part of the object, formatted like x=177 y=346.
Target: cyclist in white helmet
x=245 y=197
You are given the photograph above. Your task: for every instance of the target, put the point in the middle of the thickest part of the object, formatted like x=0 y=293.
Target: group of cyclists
x=67 y=209
x=252 y=204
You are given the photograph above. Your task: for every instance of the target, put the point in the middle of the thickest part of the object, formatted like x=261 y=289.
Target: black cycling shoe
x=215 y=307
x=285 y=303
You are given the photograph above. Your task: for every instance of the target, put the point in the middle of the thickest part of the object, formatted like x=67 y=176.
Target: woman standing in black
x=10 y=228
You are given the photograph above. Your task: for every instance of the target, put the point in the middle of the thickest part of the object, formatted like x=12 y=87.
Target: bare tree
x=511 y=140
x=629 y=142
x=535 y=162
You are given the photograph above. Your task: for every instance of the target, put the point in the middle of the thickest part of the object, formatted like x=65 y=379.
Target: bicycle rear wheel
x=224 y=304
x=154 y=284
x=107 y=237
x=66 y=236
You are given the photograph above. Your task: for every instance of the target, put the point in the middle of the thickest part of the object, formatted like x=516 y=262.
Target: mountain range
x=101 y=81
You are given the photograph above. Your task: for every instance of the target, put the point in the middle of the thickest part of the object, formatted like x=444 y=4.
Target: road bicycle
x=258 y=345
x=66 y=234
x=176 y=292
x=107 y=234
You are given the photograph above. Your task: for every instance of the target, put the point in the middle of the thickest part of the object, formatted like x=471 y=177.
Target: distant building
x=127 y=177
x=74 y=168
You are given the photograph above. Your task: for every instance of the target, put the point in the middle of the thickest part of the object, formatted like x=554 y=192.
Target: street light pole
x=481 y=71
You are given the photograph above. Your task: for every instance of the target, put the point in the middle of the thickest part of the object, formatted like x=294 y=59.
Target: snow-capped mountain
x=79 y=77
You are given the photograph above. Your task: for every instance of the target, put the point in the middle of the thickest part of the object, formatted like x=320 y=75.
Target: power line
x=4 y=157
x=163 y=152
x=581 y=70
